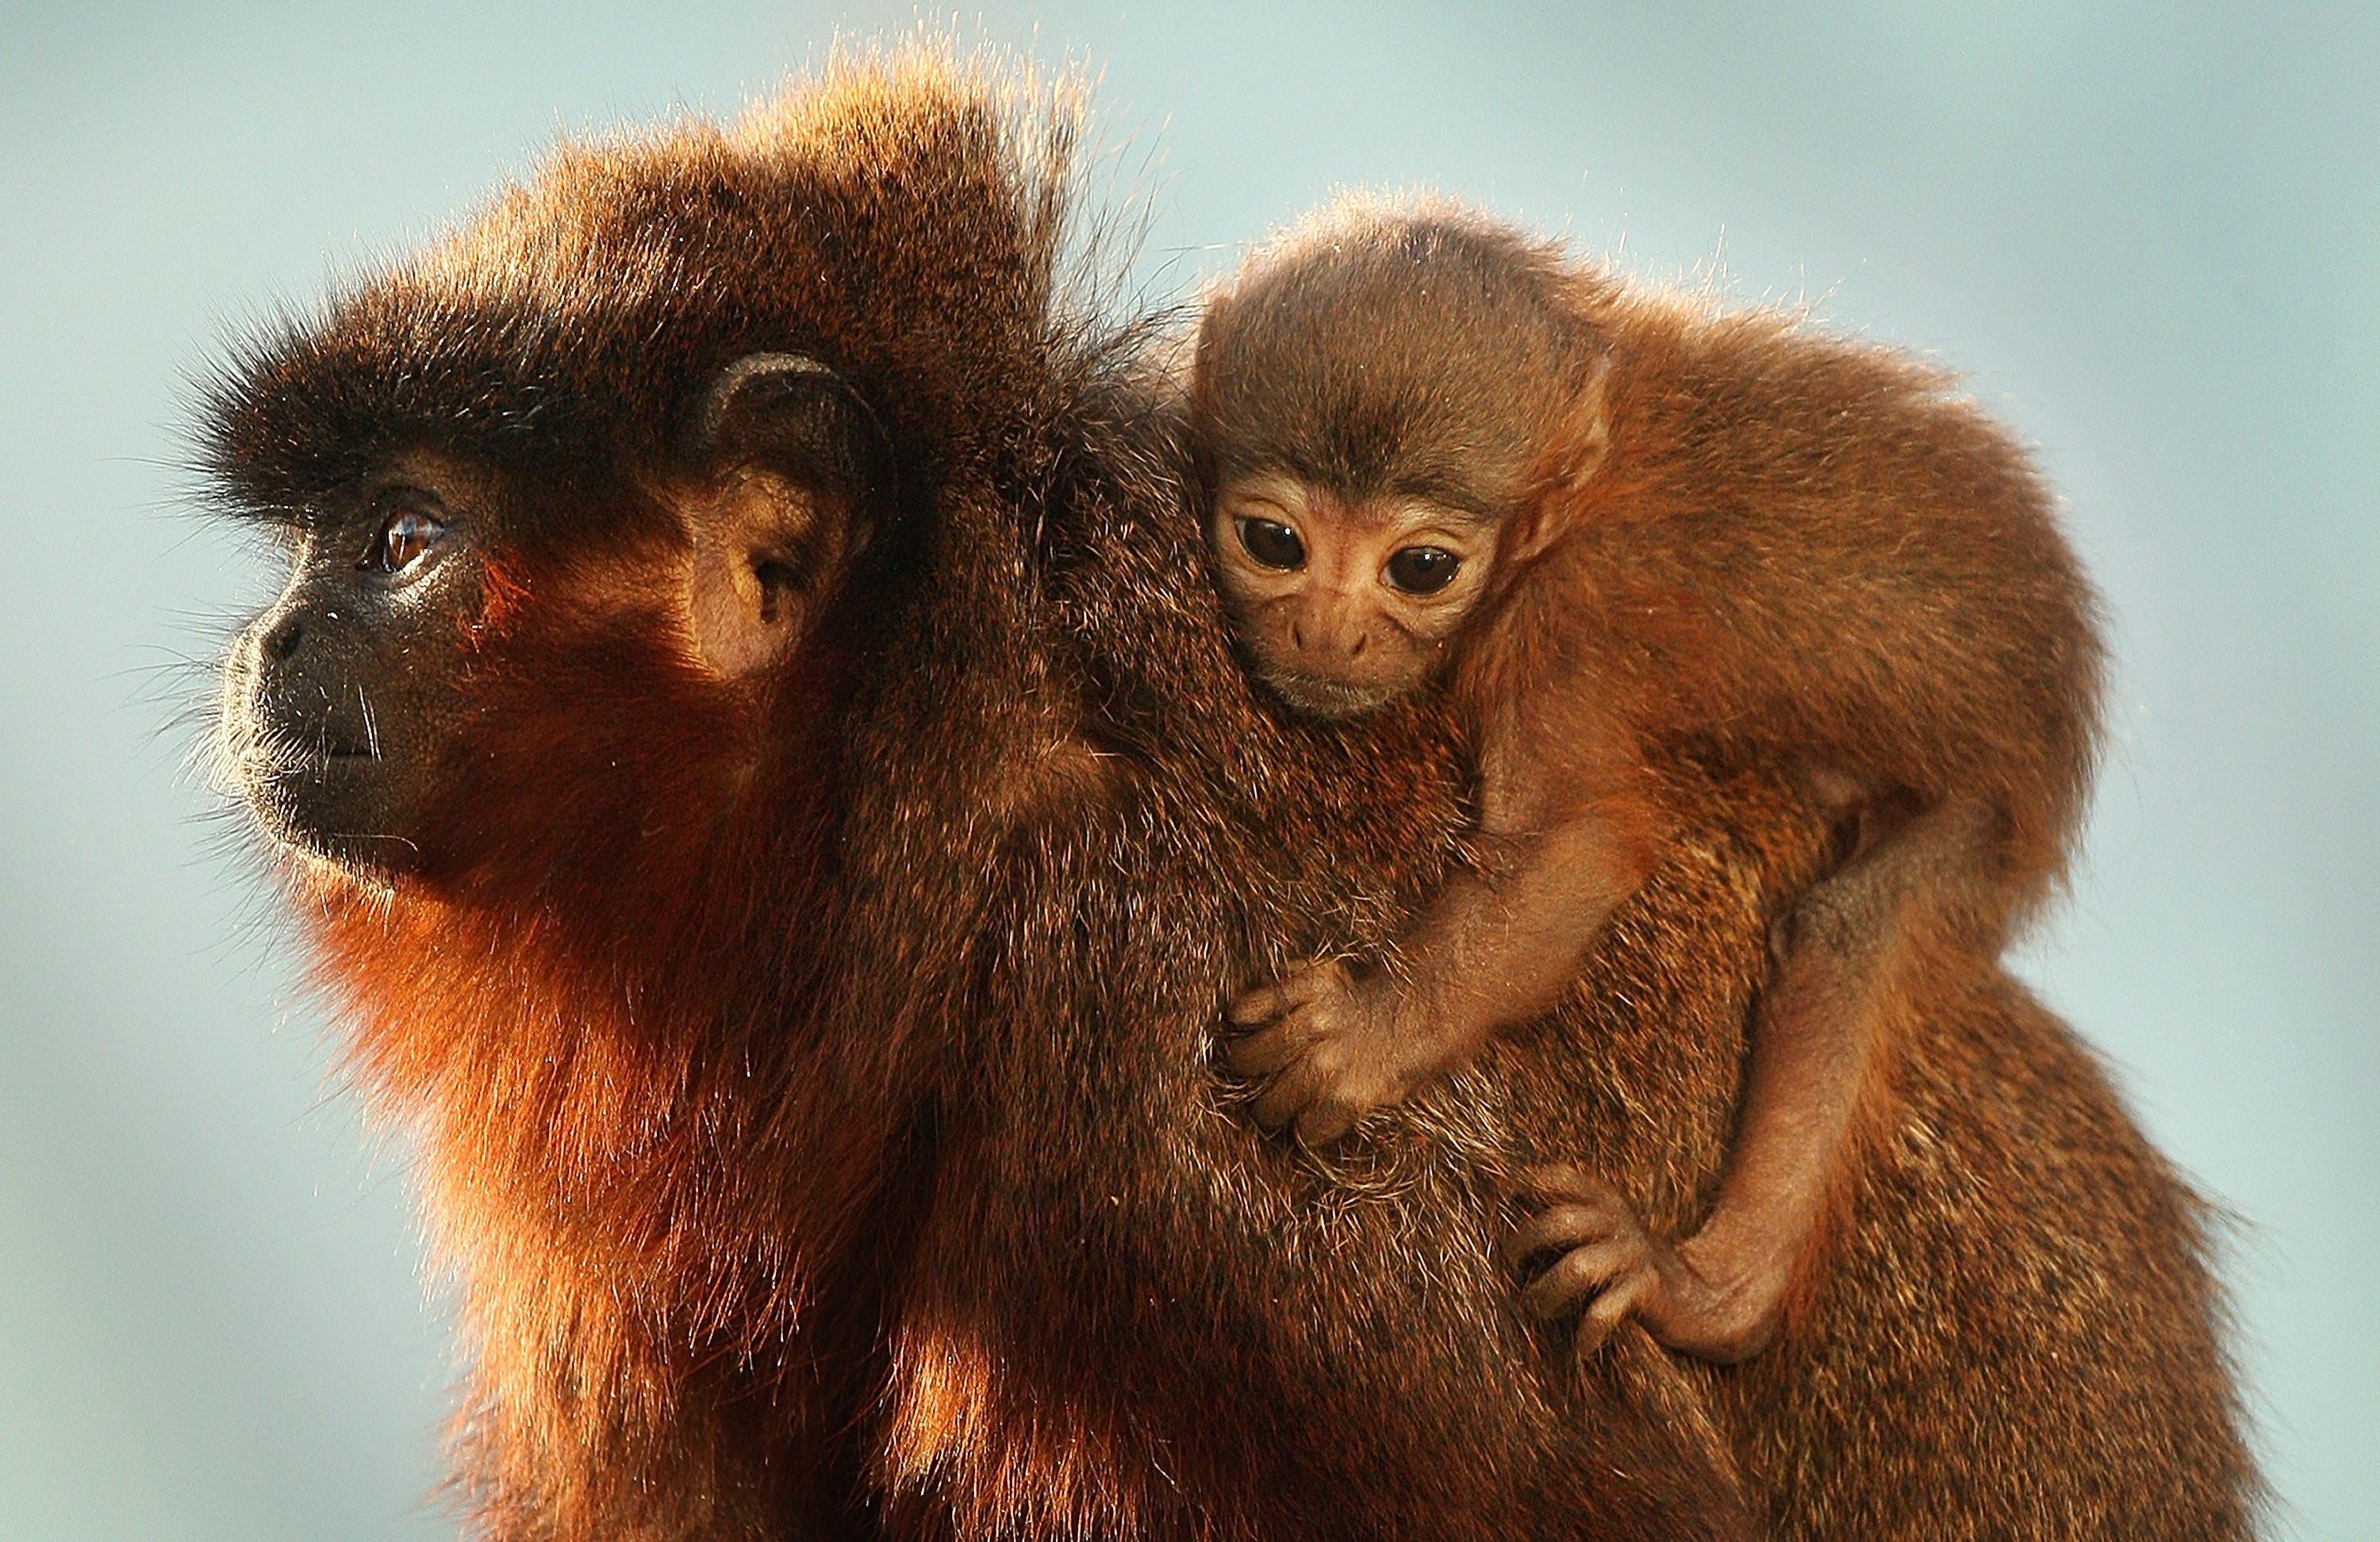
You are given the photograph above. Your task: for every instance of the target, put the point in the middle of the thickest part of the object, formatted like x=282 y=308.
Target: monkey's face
x=336 y=697
x=475 y=665
x=1344 y=604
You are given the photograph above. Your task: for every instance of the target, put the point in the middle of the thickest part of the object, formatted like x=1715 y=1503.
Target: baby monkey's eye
x=1423 y=569
x=407 y=534
x=1271 y=543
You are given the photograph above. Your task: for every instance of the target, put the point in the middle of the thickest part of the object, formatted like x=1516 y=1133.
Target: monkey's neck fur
x=599 y=1070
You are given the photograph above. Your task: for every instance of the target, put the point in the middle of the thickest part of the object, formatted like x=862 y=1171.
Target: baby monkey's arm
x=1564 y=847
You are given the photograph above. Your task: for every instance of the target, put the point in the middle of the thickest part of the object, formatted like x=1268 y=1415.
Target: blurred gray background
x=2153 y=240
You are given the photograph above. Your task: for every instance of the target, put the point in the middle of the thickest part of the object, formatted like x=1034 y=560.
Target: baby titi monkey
x=1614 y=523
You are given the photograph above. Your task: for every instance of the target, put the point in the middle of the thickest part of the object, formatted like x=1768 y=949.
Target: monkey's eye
x=1423 y=569
x=1271 y=543
x=402 y=537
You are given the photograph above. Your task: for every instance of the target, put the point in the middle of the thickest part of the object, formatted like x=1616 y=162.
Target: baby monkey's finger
x=1293 y=991
x=1260 y=1005
x=1326 y=1120
x=1262 y=1052
x=1290 y=1092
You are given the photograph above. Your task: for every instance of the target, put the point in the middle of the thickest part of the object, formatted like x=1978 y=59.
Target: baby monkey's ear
x=1577 y=442
x=792 y=469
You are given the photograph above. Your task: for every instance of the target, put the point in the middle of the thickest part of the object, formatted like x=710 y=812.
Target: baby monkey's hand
x=1335 y=1048
x=1605 y=1262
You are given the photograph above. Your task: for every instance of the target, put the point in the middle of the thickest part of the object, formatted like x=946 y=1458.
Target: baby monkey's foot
x=1605 y=1262
x=1334 y=1047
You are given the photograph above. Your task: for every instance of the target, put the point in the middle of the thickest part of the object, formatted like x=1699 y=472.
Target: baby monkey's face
x=1344 y=604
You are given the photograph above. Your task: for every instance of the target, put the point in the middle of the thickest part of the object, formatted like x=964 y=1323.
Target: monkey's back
x=1811 y=549
x=1132 y=1314
x=2014 y=1334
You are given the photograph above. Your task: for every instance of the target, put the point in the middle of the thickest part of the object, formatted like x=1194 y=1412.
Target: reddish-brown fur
x=1715 y=530
x=596 y=998
x=1777 y=539
x=832 y=1149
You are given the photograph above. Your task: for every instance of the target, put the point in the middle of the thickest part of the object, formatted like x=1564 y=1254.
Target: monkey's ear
x=793 y=468
x=793 y=415
x=1577 y=440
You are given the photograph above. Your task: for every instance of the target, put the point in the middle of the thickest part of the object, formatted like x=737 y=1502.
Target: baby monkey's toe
x=1603 y=1263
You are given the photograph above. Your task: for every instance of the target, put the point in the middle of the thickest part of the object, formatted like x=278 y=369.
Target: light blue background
x=2154 y=240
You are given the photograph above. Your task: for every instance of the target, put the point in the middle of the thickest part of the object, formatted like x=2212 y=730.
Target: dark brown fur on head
x=811 y=1077
x=1421 y=355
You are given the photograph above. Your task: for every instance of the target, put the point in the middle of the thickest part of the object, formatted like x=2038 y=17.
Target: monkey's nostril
x=1296 y=637
x=1358 y=650
x=284 y=639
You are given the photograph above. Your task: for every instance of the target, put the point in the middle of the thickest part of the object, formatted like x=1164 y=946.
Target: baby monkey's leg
x=1926 y=882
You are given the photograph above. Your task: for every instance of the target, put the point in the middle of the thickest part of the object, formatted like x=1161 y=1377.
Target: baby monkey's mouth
x=1322 y=696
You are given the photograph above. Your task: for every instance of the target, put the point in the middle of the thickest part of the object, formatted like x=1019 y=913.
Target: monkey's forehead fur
x=1409 y=346
x=899 y=219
